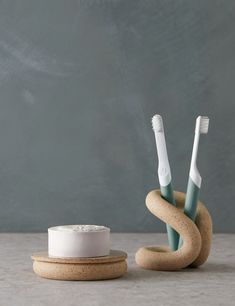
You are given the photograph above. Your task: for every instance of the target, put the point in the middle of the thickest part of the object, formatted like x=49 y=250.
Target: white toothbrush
x=164 y=174
x=194 y=182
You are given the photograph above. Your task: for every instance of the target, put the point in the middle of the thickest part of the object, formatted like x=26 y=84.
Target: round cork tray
x=91 y=268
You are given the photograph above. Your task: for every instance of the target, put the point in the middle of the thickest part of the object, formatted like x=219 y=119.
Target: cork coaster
x=90 y=268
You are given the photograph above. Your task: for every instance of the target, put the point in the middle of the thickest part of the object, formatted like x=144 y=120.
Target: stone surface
x=211 y=284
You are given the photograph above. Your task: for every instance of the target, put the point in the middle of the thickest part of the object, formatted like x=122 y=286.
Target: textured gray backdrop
x=79 y=82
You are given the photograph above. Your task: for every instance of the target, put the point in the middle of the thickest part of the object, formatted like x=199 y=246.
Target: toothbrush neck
x=164 y=172
x=195 y=149
x=194 y=173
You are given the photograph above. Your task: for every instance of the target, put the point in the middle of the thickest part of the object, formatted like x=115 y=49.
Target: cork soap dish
x=196 y=236
x=90 y=268
x=79 y=252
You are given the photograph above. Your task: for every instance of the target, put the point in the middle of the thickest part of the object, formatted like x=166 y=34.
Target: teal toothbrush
x=194 y=182
x=164 y=174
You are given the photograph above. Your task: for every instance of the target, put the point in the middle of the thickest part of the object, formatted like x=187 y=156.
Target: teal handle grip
x=190 y=207
x=173 y=236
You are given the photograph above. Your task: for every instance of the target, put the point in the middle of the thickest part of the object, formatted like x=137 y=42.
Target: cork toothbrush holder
x=196 y=236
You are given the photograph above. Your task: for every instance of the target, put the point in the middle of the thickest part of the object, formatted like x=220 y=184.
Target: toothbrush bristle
x=157 y=123
x=204 y=125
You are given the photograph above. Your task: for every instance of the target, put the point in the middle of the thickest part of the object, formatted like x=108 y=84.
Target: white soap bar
x=78 y=241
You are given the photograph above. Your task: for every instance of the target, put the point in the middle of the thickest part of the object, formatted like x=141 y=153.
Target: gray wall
x=79 y=82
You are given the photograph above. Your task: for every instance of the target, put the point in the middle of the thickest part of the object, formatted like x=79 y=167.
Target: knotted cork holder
x=196 y=236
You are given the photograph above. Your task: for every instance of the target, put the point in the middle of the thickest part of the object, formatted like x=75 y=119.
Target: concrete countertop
x=212 y=284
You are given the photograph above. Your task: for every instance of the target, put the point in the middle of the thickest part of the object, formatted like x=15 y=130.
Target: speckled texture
x=197 y=237
x=94 y=268
x=211 y=284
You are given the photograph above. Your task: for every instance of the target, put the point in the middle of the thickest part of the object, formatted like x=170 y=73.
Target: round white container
x=78 y=241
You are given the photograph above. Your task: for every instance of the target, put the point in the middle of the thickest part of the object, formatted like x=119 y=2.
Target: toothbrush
x=194 y=182
x=164 y=174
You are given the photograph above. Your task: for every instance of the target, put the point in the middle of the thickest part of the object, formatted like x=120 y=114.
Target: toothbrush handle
x=191 y=200
x=173 y=236
x=190 y=207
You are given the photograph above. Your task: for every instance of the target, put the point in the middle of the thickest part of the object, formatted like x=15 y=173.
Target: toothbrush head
x=202 y=125
x=157 y=124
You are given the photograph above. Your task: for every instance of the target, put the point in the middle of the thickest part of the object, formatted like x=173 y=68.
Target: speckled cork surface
x=92 y=268
x=196 y=236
